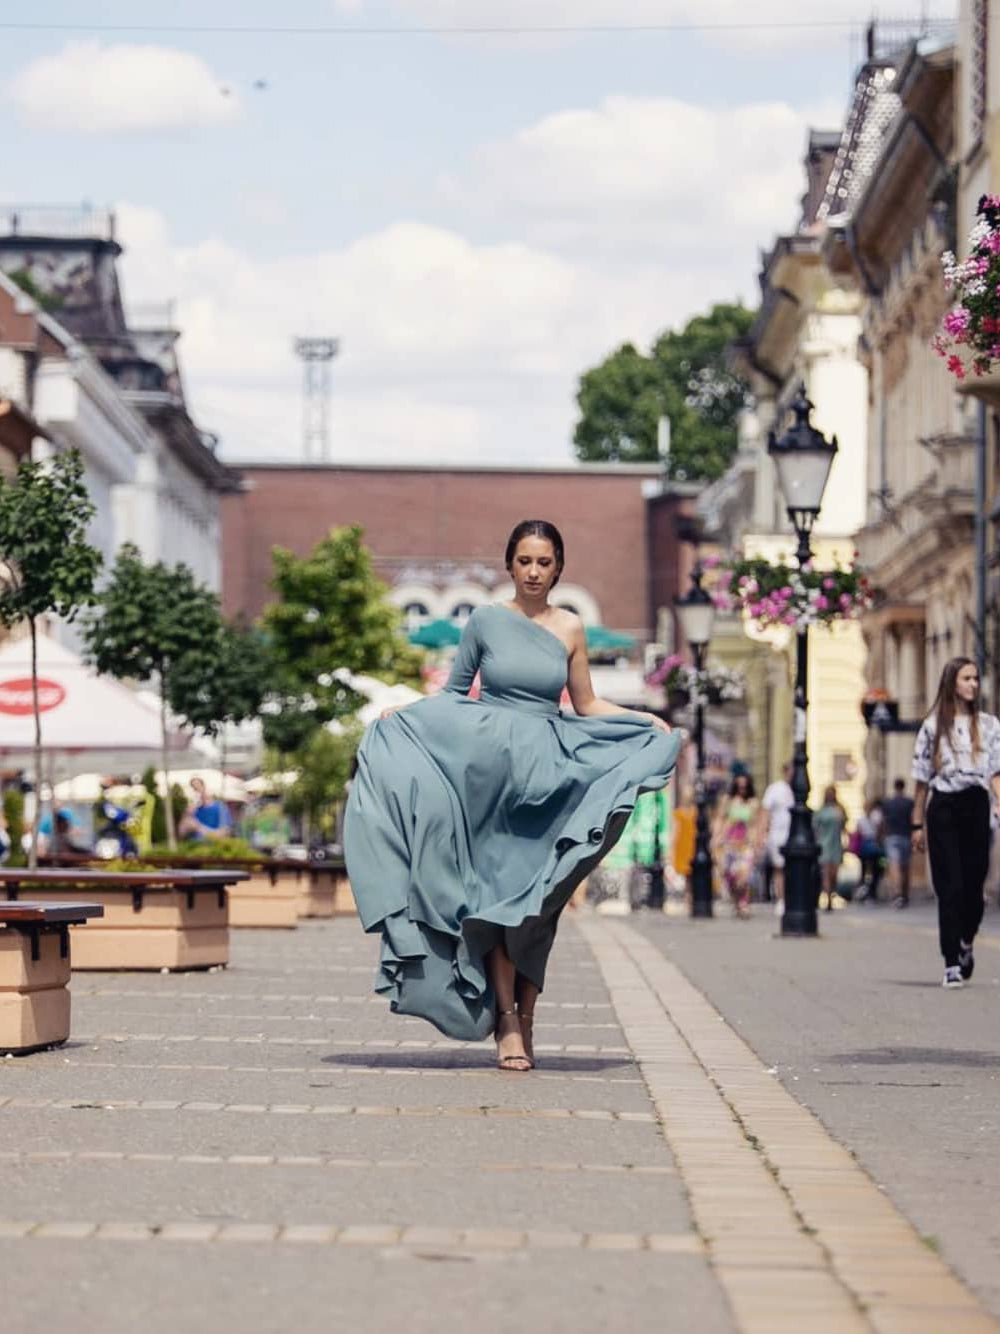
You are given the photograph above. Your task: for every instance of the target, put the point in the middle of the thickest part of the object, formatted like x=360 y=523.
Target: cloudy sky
x=477 y=215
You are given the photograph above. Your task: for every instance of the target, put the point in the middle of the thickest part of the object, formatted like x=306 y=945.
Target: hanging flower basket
x=969 y=339
x=684 y=684
x=780 y=594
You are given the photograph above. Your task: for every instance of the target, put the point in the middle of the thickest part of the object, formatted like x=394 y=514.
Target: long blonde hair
x=943 y=707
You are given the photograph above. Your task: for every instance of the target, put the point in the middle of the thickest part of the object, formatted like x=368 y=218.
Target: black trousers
x=958 y=846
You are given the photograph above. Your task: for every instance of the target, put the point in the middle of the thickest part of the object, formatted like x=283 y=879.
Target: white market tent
x=81 y=713
x=86 y=787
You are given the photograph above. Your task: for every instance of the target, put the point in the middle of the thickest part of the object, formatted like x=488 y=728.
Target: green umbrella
x=436 y=634
x=602 y=640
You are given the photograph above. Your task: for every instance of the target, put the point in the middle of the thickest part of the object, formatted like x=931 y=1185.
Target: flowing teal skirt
x=470 y=824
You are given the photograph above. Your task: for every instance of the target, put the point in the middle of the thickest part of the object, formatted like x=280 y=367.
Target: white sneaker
x=953 y=978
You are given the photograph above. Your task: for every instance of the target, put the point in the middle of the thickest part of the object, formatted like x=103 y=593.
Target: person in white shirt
x=956 y=759
x=776 y=824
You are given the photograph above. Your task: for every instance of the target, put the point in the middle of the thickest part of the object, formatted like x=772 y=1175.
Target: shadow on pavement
x=477 y=1060
x=917 y=1056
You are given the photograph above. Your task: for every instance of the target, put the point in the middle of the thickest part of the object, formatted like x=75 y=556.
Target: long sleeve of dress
x=466 y=664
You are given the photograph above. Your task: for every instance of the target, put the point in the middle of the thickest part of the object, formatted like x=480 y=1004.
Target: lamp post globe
x=696 y=614
x=803 y=458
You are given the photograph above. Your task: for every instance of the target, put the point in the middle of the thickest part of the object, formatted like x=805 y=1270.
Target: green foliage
x=331 y=613
x=49 y=566
x=210 y=850
x=159 y=823
x=154 y=621
x=324 y=766
x=232 y=689
x=46 y=300
x=13 y=814
x=683 y=377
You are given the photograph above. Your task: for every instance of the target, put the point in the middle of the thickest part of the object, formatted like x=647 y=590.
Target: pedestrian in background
x=829 y=823
x=868 y=847
x=897 y=816
x=956 y=759
x=775 y=827
x=735 y=841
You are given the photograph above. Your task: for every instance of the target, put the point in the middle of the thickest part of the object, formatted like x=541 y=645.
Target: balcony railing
x=75 y=222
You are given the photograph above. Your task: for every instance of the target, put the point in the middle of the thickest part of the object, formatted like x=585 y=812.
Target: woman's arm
x=919 y=810
x=581 y=689
x=463 y=669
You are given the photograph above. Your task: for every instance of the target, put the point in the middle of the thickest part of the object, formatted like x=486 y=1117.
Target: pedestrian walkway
x=267 y=1148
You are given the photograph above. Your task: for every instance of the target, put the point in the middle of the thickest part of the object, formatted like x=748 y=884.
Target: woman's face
x=534 y=568
x=742 y=787
x=967 y=684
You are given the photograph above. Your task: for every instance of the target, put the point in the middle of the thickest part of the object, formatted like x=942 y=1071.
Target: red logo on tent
x=15 y=696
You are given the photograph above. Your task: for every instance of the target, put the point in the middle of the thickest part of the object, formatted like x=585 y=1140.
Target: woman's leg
x=510 y=1044
x=526 y=994
x=829 y=883
x=974 y=851
x=943 y=839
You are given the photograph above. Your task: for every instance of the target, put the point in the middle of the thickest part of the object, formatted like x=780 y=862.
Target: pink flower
x=828 y=582
x=821 y=603
x=957 y=320
x=710 y=562
x=956 y=367
x=845 y=601
x=992 y=243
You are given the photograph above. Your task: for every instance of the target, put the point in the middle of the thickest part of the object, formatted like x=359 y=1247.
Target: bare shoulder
x=566 y=624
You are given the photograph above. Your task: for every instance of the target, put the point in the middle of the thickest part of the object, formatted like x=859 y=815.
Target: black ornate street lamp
x=696 y=613
x=803 y=458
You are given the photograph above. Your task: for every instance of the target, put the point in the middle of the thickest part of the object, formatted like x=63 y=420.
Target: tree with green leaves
x=48 y=565
x=685 y=377
x=331 y=614
x=324 y=766
x=156 y=622
x=235 y=688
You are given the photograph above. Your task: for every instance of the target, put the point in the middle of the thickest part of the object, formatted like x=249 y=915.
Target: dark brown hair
x=943 y=707
x=537 y=528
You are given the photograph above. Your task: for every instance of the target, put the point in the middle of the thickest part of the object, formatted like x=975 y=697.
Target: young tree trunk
x=168 y=808
x=33 y=854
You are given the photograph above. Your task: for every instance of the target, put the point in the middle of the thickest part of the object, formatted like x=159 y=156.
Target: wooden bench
x=34 y=970
x=280 y=890
x=173 y=919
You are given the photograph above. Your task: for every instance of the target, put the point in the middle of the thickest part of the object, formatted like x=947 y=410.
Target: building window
x=462 y=611
x=978 y=90
x=844 y=768
x=415 y=614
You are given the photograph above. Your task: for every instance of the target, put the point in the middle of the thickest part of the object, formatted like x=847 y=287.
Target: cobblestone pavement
x=858 y=1028
x=267 y=1148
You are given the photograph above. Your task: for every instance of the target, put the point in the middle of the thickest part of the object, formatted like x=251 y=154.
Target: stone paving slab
x=438 y=1196
x=312 y=1289
x=451 y=1139
x=837 y=1022
x=417 y=1163
x=101 y=1082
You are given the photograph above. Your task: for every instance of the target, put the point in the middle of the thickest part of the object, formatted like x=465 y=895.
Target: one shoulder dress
x=471 y=821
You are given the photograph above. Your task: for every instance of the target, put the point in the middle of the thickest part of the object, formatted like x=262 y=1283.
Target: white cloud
x=628 y=218
x=641 y=180
x=93 y=88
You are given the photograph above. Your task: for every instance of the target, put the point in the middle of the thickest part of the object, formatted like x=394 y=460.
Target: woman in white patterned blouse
x=957 y=760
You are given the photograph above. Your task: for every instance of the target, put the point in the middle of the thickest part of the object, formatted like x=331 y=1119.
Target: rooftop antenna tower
x=316 y=355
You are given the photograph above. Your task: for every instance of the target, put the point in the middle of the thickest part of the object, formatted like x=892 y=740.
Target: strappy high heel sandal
x=517 y=1064
x=527 y=1022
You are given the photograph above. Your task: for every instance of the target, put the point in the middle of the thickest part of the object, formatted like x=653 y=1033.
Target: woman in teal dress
x=471 y=821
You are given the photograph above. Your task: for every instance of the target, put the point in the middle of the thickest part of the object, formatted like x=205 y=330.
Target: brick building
x=437 y=533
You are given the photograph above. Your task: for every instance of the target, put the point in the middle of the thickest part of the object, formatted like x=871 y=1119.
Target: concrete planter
x=326 y=891
x=34 y=971
x=175 y=920
x=267 y=898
